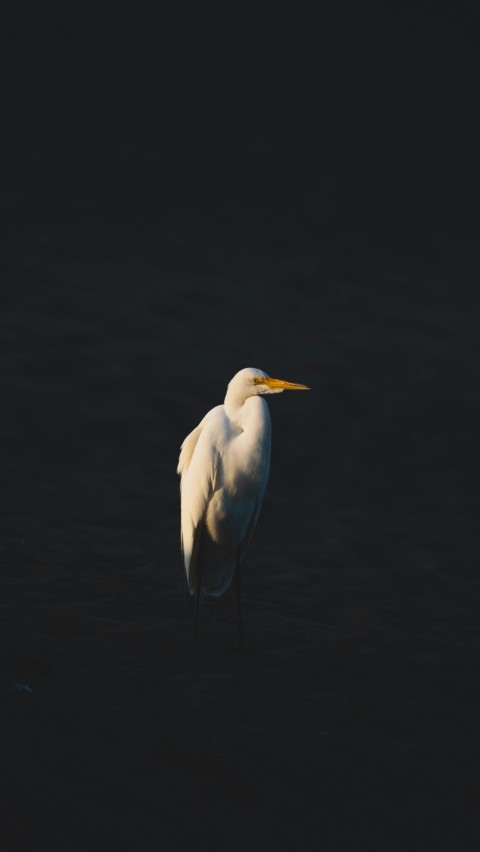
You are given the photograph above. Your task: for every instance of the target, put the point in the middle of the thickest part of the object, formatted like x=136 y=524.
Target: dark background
x=184 y=194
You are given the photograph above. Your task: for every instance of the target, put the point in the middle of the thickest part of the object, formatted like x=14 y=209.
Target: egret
x=224 y=466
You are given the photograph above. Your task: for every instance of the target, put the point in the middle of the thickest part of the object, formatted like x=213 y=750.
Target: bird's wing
x=187 y=449
x=197 y=465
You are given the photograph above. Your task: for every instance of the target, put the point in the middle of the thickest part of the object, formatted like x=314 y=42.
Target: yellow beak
x=280 y=385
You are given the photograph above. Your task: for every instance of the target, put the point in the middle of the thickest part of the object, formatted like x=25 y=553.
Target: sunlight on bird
x=224 y=466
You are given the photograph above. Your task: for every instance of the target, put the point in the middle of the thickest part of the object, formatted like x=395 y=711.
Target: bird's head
x=253 y=382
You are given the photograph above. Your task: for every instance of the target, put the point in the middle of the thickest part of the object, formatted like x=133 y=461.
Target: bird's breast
x=228 y=516
x=247 y=466
x=240 y=485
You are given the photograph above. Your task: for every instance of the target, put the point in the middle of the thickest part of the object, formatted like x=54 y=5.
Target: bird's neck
x=247 y=413
x=234 y=405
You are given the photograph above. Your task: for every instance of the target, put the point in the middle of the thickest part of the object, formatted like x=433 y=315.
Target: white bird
x=224 y=466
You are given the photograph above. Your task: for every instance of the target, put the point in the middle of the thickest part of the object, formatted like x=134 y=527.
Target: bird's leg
x=198 y=592
x=238 y=594
x=214 y=619
x=198 y=563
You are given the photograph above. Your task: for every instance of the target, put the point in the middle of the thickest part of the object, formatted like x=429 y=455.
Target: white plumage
x=224 y=466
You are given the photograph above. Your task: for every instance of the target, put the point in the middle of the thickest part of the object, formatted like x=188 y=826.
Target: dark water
x=141 y=268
